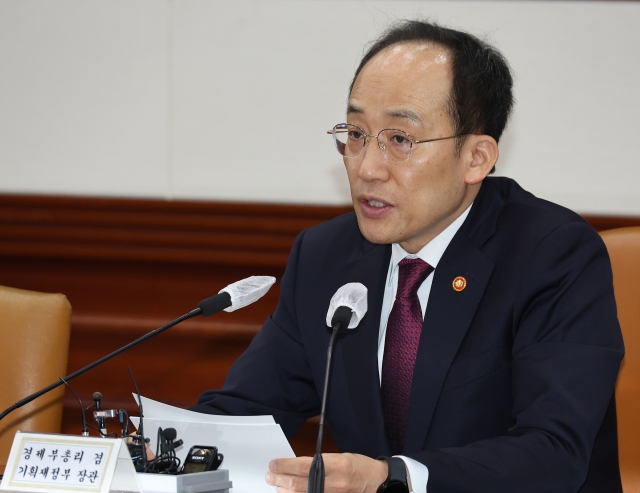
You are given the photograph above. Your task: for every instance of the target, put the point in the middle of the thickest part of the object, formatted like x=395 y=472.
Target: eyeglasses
x=394 y=144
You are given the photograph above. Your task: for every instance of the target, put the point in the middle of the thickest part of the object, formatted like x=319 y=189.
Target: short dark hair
x=481 y=95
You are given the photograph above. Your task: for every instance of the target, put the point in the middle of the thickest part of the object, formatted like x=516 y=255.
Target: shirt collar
x=434 y=250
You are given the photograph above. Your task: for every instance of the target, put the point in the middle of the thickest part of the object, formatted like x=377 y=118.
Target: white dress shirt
x=431 y=253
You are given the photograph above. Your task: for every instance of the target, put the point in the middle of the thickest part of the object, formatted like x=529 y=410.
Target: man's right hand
x=344 y=473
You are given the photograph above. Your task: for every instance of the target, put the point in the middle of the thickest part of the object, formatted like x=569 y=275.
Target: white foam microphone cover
x=352 y=295
x=247 y=291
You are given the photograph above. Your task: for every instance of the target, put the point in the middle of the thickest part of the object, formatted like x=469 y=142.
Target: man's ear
x=481 y=153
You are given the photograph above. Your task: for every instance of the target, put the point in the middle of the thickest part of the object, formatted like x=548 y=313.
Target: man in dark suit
x=488 y=357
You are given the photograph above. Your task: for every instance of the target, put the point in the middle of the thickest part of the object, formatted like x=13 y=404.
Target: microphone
x=346 y=309
x=167 y=437
x=237 y=295
x=234 y=296
x=102 y=426
x=165 y=461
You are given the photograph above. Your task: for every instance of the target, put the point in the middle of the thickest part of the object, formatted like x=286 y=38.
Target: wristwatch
x=396 y=481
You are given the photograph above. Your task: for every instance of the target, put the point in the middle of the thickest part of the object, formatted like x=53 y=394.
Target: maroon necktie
x=400 y=349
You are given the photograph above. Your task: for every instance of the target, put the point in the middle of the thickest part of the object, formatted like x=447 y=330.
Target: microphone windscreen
x=341 y=316
x=247 y=291
x=353 y=296
x=214 y=304
x=169 y=434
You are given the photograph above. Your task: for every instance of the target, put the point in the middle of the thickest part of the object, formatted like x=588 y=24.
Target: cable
x=151 y=466
x=113 y=434
x=141 y=427
x=85 y=431
x=164 y=462
x=158 y=438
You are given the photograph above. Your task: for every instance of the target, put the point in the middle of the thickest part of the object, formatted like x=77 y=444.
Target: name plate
x=50 y=463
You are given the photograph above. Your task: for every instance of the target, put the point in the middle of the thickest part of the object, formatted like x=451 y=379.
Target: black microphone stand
x=316 y=473
x=79 y=372
x=206 y=307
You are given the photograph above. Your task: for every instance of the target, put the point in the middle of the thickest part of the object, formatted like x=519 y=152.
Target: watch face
x=395 y=487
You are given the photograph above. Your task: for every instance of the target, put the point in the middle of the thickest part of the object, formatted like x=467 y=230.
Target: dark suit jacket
x=514 y=378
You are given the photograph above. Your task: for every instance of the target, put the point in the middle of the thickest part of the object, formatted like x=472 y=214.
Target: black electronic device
x=166 y=461
x=202 y=458
x=167 y=440
x=396 y=481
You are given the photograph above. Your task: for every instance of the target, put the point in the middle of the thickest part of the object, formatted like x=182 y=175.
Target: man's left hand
x=344 y=473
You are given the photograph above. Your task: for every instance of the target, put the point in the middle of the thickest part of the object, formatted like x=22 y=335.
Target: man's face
x=406 y=87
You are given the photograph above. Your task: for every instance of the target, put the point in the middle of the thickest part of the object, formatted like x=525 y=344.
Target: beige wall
x=230 y=99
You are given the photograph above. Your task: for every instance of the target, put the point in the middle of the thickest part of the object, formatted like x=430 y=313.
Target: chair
x=623 y=245
x=34 y=345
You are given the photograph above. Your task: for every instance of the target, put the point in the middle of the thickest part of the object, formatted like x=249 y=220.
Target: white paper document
x=248 y=443
x=155 y=409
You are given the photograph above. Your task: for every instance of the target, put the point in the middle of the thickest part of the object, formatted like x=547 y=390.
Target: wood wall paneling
x=130 y=265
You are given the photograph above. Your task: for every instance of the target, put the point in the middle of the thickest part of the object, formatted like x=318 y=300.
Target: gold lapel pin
x=459 y=283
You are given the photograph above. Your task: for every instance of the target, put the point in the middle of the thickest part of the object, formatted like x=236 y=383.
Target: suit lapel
x=359 y=348
x=448 y=316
